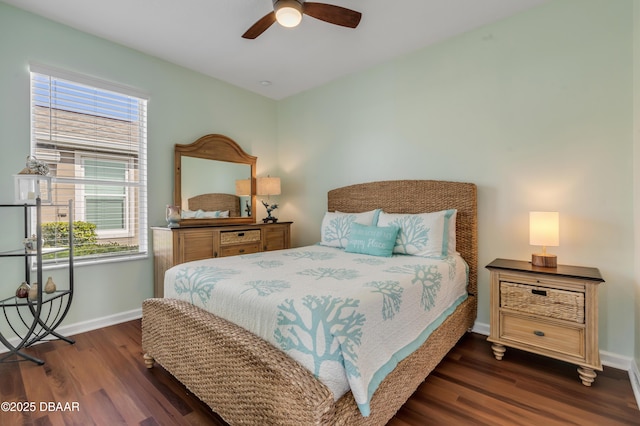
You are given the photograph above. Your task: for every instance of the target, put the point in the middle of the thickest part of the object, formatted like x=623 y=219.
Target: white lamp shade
x=268 y=186
x=288 y=13
x=243 y=187
x=544 y=229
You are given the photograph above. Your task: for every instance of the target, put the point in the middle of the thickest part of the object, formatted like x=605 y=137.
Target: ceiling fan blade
x=333 y=14
x=261 y=26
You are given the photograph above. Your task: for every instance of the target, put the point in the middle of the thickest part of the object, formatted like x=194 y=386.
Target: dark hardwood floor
x=101 y=380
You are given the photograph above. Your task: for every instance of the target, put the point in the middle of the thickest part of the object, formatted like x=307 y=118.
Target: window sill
x=95 y=261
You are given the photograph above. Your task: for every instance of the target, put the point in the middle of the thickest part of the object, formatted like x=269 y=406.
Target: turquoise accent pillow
x=373 y=240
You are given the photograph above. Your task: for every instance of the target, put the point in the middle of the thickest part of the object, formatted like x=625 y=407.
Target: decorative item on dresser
x=269 y=186
x=173 y=246
x=248 y=380
x=547 y=311
x=173 y=216
x=243 y=189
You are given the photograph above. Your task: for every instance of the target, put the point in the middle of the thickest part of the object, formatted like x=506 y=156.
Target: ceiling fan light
x=288 y=12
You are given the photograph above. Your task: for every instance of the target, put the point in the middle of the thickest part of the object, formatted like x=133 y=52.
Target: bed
x=247 y=380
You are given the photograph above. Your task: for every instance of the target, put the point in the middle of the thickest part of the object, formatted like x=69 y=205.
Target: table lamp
x=544 y=231
x=243 y=189
x=269 y=186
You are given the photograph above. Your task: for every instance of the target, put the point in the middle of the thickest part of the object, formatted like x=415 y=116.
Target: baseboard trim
x=84 y=326
x=481 y=328
x=634 y=376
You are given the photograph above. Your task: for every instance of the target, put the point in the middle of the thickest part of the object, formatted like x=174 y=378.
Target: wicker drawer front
x=239 y=237
x=543 y=334
x=234 y=250
x=543 y=301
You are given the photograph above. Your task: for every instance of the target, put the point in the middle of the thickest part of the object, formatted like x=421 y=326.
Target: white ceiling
x=205 y=35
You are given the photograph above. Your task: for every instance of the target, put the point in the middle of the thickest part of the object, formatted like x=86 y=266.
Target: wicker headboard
x=419 y=196
x=213 y=202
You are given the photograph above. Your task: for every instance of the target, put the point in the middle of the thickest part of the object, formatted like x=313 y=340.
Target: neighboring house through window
x=92 y=134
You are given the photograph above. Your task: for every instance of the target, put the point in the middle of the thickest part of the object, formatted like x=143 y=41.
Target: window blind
x=93 y=136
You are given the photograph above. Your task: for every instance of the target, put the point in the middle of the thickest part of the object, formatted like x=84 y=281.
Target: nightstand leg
x=587 y=375
x=498 y=351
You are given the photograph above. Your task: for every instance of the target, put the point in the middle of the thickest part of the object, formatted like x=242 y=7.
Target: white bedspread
x=348 y=318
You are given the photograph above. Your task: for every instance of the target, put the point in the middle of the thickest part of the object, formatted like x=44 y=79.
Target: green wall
x=183 y=106
x=535 y=109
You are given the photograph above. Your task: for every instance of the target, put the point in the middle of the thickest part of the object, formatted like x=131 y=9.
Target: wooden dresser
x=173 y=246
x=548 y=311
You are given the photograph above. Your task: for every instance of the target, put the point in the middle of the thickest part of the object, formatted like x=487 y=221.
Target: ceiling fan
x=288 y=13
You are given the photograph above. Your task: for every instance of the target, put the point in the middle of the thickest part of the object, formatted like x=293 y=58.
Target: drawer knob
x=241 y=251
x=240 y=234
x=539 y=292
x=538 y=333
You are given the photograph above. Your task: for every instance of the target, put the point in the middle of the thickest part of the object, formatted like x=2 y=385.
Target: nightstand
x=547 y=311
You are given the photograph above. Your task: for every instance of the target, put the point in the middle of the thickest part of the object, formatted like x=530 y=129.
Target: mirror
x=205 y=186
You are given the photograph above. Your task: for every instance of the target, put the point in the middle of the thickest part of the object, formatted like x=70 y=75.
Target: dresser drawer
x=239 y=237
x=543 y=301
x=234 y=250
x=195 y=245
x=276 y=237
x=542 y=334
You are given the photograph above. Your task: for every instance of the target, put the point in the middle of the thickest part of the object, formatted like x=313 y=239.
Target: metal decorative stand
x=35 y=320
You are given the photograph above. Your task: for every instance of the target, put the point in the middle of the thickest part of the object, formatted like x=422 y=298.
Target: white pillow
x=335 y=228
x=424 y=234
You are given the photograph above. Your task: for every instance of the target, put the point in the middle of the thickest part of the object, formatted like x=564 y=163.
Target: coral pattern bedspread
x=349 y=318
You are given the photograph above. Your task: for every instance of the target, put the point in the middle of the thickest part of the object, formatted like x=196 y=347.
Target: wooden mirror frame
x=220 y=148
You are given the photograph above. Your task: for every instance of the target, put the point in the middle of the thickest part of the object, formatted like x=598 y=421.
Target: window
x=92 y=134
x=106 y=206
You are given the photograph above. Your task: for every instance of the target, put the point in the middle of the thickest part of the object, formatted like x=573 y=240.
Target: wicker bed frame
x=248 y=381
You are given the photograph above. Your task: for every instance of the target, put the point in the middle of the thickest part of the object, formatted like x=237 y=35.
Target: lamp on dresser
x=243 y=189
x=269 y=186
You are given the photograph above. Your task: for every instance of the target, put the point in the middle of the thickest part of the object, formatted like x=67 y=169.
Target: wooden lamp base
x=544 y=260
